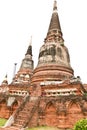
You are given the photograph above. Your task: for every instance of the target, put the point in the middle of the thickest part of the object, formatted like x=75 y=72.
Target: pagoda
x=48 y=95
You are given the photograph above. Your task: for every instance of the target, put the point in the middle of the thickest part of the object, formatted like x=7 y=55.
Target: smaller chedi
x=49 y=94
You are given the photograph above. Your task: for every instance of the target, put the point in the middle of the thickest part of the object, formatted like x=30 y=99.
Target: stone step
x=17 y=125
x=22 y=117
x=20 y=121
x=23 y=112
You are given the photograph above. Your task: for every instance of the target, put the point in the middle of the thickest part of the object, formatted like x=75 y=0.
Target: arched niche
x=50 y=107
x=50 y=115
x=74 y=107
x=74 y=113
x=15 y=105
x=4 y=110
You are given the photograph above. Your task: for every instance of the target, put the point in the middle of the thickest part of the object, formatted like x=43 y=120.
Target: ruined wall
x=61 y=112
x=6 y=109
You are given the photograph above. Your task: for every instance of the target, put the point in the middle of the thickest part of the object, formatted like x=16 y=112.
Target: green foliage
x=2 y=122
x=81 y=125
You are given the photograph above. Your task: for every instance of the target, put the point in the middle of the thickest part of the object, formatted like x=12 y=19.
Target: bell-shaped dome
x=54 y=53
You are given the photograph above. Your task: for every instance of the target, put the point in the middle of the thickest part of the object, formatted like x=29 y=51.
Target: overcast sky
x=21 y=19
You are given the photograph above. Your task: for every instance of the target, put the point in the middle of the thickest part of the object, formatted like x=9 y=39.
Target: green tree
x=81 y=125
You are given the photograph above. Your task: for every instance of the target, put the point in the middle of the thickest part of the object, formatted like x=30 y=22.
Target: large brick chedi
x=48 y=95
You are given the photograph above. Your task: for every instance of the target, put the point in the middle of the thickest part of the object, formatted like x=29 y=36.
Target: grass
x=43 y=128
x=2 y=121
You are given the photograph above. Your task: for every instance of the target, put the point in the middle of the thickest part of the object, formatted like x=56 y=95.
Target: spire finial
x=29 y=50
x=30 y=41
x=54 y=31
x=5 y=81
x=55 y=5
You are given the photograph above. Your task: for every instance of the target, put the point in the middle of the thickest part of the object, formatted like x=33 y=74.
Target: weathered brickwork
x=48 y=95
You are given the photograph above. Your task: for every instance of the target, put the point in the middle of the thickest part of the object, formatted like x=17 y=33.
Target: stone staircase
x=25 y=112
x=24 y=116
